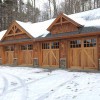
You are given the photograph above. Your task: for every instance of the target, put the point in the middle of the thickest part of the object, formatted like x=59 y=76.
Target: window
x=30 y=47
x=90 y=42
x=55 y=45
x=23 y=47
x=45 y=45
x=9 y=48
x=75 y=44
x=50 y=45
x=27 y=47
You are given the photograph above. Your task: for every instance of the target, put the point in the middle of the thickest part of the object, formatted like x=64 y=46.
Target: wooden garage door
x=83 y=54
x=50 y=54
x=9 y=57
x=27 y=54
x=9 y=54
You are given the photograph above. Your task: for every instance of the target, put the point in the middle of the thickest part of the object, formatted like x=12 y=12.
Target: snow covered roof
x=36 y=29
x=89 y=18
x=2 y=33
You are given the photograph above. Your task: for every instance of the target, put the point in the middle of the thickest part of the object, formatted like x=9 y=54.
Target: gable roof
x=36 y=29
x=88 y=19
x=68 y=19
x=13 y=29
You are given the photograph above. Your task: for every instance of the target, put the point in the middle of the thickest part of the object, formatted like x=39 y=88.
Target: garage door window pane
x=55 y=45
x=90 y=42
x=45 y=46
x=9 y=48
x=23 y=47
x=75 y=44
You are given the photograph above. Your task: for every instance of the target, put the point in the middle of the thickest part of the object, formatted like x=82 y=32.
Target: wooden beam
x=61 y=20
x=15 y=34
x=65 y=22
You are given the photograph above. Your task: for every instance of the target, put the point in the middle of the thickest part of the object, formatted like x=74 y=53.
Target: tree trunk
x=90 y=5
x=34 y=18
x=49 y=9
x=55 y=8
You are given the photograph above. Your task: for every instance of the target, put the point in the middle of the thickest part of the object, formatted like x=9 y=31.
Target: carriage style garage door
x=50 y=54
x=27 y=54
x=9 y=54
x=83 y=54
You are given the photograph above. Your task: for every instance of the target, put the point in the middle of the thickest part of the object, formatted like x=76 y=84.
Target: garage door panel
x=83 y=56
x=9 y=57
x=27 y=58
x=91 y=58
x=75 y=57
x=45 y=58
x=50 y=54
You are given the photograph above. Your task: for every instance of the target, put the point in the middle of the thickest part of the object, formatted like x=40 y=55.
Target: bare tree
x=49 y=9
x=54 y=7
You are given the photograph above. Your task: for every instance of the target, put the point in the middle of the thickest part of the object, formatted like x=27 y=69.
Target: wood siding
x=63 y=28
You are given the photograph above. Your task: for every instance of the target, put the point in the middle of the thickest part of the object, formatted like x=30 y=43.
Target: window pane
x=30 y=47
x=90 y=42
x=75 y=44
x=24 y=47
x=55 y=45
x=45 y=45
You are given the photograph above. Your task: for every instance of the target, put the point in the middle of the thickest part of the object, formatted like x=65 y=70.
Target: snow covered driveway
x=23 y=83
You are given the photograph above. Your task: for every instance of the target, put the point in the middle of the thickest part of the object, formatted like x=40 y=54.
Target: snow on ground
x=23 y=83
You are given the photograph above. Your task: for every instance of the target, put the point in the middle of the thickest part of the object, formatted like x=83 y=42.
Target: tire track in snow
x=5 y=87
x=23 y=86
x=49 y=93
x=32 y=82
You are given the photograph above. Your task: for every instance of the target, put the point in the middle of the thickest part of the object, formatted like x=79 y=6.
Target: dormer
x=63 y=24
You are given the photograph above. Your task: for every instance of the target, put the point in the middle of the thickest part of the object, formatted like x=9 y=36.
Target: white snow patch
x=2 y=33
x=36 y=29
x=94 y=23
x=87 y=18
x=88 y=15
